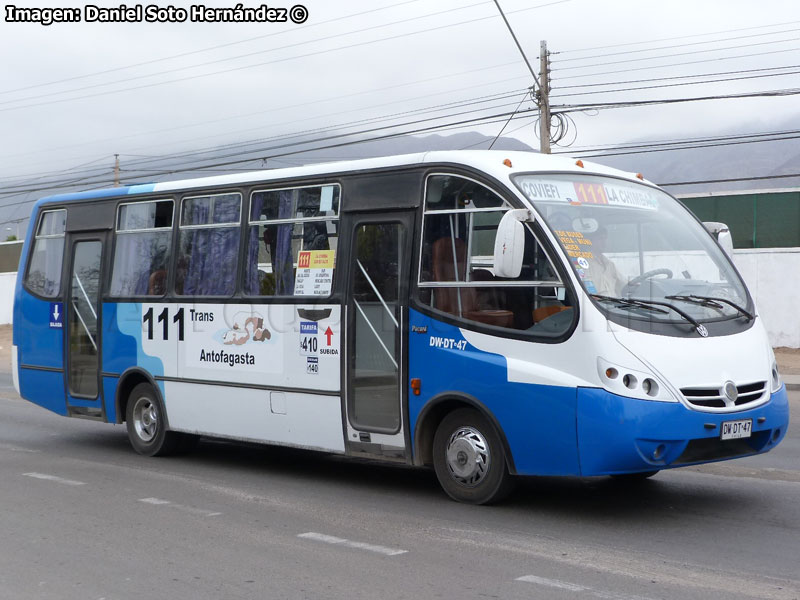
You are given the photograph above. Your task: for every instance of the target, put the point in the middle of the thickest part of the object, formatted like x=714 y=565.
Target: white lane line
x=574 y=587
x=13 y=448
x=55 y=479
x=329 y=539
x=555 y=583
x=183 y=507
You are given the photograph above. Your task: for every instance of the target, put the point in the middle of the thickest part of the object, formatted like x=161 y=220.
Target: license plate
x=734 y=430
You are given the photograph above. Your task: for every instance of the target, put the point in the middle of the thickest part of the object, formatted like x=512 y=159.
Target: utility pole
x=544 y=100
x=542 y=97
x=116 y=170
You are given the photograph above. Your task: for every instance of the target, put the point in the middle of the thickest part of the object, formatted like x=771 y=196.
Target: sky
x=72 y=95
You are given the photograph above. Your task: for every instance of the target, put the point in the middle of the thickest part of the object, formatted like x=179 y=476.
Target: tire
x=146 y=422
x=469 y=459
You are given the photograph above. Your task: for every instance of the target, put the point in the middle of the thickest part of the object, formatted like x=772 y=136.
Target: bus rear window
x=44 y=270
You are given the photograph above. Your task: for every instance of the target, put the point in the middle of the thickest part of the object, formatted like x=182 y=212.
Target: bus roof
x=488 y=161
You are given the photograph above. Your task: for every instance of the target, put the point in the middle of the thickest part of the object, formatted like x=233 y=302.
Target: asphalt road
x=82 y=516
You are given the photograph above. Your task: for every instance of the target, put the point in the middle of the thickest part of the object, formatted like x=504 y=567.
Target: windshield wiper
x=652 y=304
x=713 y=302
x=629 y=302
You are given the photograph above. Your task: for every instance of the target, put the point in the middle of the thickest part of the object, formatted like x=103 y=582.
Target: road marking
x=329 y=539
x=183 y=507
x=55 y=479
x=574 y=587
x=13 y=448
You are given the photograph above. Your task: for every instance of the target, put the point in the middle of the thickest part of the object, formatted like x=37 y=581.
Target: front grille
x=715 y=397
x=707 y=449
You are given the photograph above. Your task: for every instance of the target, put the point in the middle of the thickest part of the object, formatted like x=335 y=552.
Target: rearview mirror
x=509 y=244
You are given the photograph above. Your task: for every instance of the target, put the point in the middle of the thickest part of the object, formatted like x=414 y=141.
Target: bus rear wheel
x=146 y=423
x=469 y=460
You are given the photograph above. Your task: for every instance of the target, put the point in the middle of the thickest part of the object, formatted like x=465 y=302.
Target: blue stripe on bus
x=124 y=190
x=122 y=340
x=538 y=421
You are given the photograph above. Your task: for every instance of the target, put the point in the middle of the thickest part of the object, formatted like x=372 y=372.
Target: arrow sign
x=328 y=334
x=56 y=315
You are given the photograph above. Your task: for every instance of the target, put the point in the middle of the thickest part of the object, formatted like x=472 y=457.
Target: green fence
x=756 y=219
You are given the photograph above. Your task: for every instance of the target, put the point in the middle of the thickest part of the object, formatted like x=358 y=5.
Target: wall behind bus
x=7 y=283
x=772 y=274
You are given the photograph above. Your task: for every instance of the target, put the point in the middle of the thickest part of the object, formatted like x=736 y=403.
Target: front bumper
x=626 y=435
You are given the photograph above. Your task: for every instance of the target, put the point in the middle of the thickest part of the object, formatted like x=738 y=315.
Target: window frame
x=179 y=227
x=510 y=202
x=32 y=252
x=115 y=246
x=291 y=221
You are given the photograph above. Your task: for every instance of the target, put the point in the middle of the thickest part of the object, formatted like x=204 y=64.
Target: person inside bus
x=602 y=271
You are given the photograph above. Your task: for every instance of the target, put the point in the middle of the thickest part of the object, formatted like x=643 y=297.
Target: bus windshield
x=637 y=252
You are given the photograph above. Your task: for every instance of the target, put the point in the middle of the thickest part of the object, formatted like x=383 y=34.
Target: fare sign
x=314 y=275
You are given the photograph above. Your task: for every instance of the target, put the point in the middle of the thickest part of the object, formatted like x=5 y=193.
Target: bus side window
x=44 y=270
x=457 y=272
x=142 y=249
x=209 y=245
x=282 y=224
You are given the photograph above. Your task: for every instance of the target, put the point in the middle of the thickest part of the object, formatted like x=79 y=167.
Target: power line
x=685 y=146
x=486 y=119
x=209 y=48
x=716 y=41
x=668 y=85
x=608 y=105
x=473 y=101
x=314 y=102
x=678 y=64
x=653 y=143
x=230 y=58
x=680 y=37
x=630 y=60
x=718 y=73
x=516 y=41
x=285 y=59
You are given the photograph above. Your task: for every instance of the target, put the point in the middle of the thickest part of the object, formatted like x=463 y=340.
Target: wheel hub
x=145 y=419
x=468 y=456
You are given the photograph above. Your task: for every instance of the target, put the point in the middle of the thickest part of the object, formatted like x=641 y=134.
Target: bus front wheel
x=468 y=459
x=146 y=423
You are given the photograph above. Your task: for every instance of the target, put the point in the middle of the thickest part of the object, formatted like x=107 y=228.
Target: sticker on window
x=314 y=275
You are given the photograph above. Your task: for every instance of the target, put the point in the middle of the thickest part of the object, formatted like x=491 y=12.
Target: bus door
x=83 y=320
x=376 y=318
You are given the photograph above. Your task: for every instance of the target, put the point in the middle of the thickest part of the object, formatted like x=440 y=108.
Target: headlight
x=632 y=382
x=775 y=377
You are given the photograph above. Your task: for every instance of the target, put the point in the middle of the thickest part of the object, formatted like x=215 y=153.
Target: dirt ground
x=788 y=358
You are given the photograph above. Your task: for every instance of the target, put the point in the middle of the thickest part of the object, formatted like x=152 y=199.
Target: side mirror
x=725 y=240
x=509 y=244
x=722 y=234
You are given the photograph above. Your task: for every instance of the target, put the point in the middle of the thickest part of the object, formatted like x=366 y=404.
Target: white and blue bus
x=490 y=314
